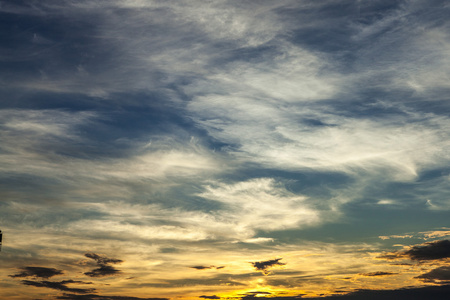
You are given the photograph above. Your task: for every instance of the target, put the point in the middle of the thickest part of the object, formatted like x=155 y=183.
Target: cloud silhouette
x=207 y=267
x=251 y=295
x=102 y=259
x=262 y=295
x=41 y=272
x=438 y=275
x=210 y=297
x=100 y=297
x=104 y=268
x=431 y=292
x=265 y=265
x=60 y=285
x=428 y=251
x=379 y=273
x=103 y=271
x=202 y=267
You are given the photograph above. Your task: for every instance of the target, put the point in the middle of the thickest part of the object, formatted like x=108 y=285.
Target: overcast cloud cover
x=212 y=149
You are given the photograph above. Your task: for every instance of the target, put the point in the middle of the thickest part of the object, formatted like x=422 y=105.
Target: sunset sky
x=227 y=150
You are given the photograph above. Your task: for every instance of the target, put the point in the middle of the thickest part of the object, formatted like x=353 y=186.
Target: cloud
x=260 y=203
x=202 y=267
x=209 y=297
x=60 y=285
x=429 y=251
x=41 y=272
x=114 y=55
x=264 y=266
x=223 y=280
x=102 y=259
x=219 y=126
x=183 y=232
x=259 y=240
x=105 y=269
x=433 y=234
x=439 y=275
x=261 y=295
x=207 y=267
x=406 y=236
x=29 y=133
x=379 y=273
x=436 y=234
x=433 y=292
x=255 y=295
x=100 y=297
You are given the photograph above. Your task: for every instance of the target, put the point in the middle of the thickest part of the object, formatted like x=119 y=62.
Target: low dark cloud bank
x=104 y=269
x=432 y=292
x=60 y=285
x=40 y=272
x=438 y=275
x=99 y=297
x=265 y=265
x=428 y=251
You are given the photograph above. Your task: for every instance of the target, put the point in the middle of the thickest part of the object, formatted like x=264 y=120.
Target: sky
x=230 y=150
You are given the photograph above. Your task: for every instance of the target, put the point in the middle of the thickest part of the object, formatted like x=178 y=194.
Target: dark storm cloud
x=60 y=285
x=41 y=272
x=104 y=268
x=99 y=297
x=210 y=297
x=428 y=251
x=265 y=265
x=380 y=273
x=438 y=275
